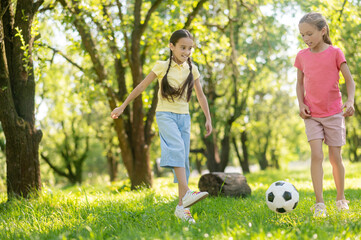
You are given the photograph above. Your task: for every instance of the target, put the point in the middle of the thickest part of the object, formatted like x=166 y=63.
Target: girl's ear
x=171 y=46
x=324 y=30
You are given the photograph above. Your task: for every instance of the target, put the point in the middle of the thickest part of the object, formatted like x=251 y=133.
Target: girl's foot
x=184 y=214
x=193 y=197
x=319 y=210
x=342 y=204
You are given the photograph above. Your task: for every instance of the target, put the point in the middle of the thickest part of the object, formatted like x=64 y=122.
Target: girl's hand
x=208 y=128
x=349 y=109
x=304 y=111
x=116 y=112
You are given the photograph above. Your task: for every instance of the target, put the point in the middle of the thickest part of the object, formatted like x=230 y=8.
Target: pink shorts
x=332 y=129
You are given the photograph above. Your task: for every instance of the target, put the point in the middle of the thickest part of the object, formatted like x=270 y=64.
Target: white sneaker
x=193 y=197
x=342 y=204
x=184 y=214
x=319 y=210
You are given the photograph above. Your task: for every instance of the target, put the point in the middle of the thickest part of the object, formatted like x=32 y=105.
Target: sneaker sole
x=191 y=204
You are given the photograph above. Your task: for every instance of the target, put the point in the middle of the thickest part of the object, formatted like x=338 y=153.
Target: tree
x=73 y=151
x=17 y=91
x=239 y=49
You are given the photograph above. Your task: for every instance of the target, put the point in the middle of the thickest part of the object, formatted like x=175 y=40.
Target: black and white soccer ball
x=282 y=197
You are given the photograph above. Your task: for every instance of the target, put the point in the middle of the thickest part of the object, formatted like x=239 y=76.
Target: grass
x=115 y=212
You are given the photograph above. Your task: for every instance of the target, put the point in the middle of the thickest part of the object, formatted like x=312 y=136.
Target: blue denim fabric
x=174 y=132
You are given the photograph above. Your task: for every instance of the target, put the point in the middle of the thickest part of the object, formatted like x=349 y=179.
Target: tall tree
x=233 y=73
x=17 y=92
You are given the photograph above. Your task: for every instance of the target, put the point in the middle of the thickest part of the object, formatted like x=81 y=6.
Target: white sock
x=180 y=207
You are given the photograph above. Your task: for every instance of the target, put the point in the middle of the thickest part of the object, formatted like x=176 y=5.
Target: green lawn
x=115 y=212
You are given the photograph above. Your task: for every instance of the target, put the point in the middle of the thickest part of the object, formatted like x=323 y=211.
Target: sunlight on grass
x=112 y=211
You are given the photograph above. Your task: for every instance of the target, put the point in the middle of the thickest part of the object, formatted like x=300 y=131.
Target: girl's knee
x=317 y=157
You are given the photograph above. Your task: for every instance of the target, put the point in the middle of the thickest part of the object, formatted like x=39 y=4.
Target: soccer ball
x=282 y=197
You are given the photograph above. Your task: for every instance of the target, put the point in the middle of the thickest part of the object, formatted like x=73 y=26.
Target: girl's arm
x=204 y=105
x=135 y=93
x=300 y=89
x=350 y=85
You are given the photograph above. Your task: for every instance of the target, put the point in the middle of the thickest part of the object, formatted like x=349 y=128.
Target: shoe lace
x=188 y=214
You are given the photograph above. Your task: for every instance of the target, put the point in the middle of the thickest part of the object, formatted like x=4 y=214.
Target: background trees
x=91 y=54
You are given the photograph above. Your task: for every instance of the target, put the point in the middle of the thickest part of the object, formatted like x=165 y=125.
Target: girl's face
x=311 y=35
x=182 y=50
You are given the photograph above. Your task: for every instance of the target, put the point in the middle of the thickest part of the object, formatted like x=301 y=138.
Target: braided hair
x=317 y=20
x=168 y=92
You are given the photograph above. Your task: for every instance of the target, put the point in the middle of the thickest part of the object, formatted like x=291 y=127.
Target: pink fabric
x=332 y=129
x=321 y=79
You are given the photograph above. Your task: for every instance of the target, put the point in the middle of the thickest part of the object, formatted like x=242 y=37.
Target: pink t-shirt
x=321 y=79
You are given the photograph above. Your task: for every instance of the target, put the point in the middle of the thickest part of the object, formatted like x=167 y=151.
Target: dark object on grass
x=224 y=184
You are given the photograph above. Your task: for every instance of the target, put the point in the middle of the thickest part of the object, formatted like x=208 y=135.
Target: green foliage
x=115 y=212
x=72 y=106
x=261 y=39
x=25 y=47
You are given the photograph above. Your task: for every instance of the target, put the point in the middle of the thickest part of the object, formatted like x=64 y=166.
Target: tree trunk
x=242 y=161
x=113 y=165
x=263 y=163
x=212 y=153
x=245 y=162
x=17 y=94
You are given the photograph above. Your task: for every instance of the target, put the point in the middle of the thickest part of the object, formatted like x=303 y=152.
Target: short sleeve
x=195 y=72
x=159 y=68
x=298 y=62
x=340 y=58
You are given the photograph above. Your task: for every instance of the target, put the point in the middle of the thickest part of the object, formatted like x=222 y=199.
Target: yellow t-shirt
x=177 y=74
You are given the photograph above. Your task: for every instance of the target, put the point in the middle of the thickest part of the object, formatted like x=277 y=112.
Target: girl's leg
x=338 y=170
x=316 y=168
x=180 y=173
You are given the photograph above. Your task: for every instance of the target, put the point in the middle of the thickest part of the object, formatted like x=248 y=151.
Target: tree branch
x=192 y=15
x=118 y=64
x=341 y=11
x=56 y=169
x=63 y=55
x=50 y=6
x=36 y=5
x=126 y=40
x=149 y=14
x=4 y=10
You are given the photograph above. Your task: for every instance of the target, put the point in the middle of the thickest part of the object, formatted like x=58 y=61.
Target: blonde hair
x=317 y=20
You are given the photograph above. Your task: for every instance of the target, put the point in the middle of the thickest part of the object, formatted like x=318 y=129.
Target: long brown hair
x=317 y=20
x=167 y=90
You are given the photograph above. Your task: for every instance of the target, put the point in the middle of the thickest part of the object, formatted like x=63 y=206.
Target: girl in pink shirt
x=320 y=104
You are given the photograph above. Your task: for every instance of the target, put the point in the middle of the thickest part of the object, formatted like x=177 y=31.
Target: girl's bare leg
x=317 y=169
x=180 y=173
x=338 y=171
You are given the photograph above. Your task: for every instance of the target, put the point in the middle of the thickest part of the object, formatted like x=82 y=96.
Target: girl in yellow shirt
x=177 y=77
